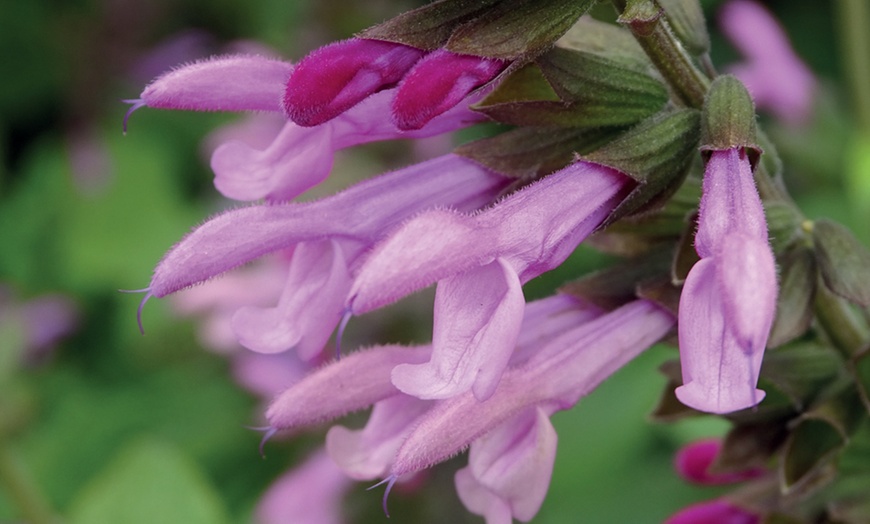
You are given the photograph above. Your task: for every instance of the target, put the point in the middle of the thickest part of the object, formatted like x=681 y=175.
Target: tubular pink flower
x=556 y=377
x=438 y=82
x=336 y=77
x=332 y=233
x=728 y=301
x=719 y=510
x=777 y=78
x=481 y=260
x=509 y=469
x=298 y=158
x=694 y=460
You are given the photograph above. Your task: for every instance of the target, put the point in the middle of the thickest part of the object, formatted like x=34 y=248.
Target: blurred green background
x=115 y=427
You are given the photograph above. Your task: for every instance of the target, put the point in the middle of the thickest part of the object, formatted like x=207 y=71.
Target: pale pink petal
x=368 y=453
x=309 y=308
x=477 y=320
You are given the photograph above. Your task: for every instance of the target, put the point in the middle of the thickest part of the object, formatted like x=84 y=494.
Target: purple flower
x=728 y=300
x=480 y=262
x=298 y=158
x=328 y=237
x=693 y=463
x=30 y=329
x=336 y=77
x=719 y=511
x=438 y=82
x=572 y=348
x=777 y=78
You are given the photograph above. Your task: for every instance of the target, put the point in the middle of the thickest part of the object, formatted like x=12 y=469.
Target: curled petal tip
x=268 y=433
x=135 y=103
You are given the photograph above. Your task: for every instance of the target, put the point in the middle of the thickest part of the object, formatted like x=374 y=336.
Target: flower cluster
x=601 y=147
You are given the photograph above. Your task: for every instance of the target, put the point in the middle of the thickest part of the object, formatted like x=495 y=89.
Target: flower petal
x=354 y=382
x=309 y=308
x=227 y=83
x=477 y=320
x=718 y=376
x=368 y=453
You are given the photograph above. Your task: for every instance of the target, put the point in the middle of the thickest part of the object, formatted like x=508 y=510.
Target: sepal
x=728 y=118
x=794 y=306
x=687 y=21
x=843 y=261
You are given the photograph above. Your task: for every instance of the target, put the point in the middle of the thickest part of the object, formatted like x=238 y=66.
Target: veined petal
x=359 y=213
x=368 y=453
x=746 y=272
x=515 y=461
x=355 y=382
x=729 y=203
x=718 y=375
x=479 y=500
x=533 y=230
x=309 y=308
x=477 y=320
x=548 y=318
x=226 y=83
x=437 y=82
x=334 y=78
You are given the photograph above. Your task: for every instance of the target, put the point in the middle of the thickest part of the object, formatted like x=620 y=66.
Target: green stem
x=22 y=491
x=653 y=32
x=854 y=18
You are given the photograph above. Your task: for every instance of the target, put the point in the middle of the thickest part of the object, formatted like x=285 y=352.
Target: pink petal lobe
x=368 y=453
x=309 y=308
x=477 y=320
x=718 y=375
x=228 y=83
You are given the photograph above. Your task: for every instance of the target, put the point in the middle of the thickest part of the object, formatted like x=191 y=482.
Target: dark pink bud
x=437 y=83
x=336 y=77
x=694 y=460
x=719 y=511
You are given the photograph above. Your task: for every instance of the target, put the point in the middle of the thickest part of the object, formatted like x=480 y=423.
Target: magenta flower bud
x=729 y=298
x=694 y=460
x=438 y=82
x=718 y=511
x=336 y=77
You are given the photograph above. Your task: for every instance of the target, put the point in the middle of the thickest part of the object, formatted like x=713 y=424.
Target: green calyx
x=728 y=118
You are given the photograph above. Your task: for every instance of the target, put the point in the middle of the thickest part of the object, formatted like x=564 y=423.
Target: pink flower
x=480 y=262
x=694 y=460
x=328 y=236
x=718 y=511
x=728 y=301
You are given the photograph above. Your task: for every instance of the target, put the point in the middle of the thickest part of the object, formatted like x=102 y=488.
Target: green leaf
x=843 y=262
x=608 y=40
x=531 y=152
x=801 y=369
x=860 y=369
x=428 y=27
x=515 y=29
x=794 y=305
x=149 y=481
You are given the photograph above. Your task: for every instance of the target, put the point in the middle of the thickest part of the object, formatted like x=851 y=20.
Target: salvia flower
x=328 y=236
x=512 y=443
x=719 y=511
x=694 y=461
x=480 y=262
x=298 y=158
x=728 y=300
